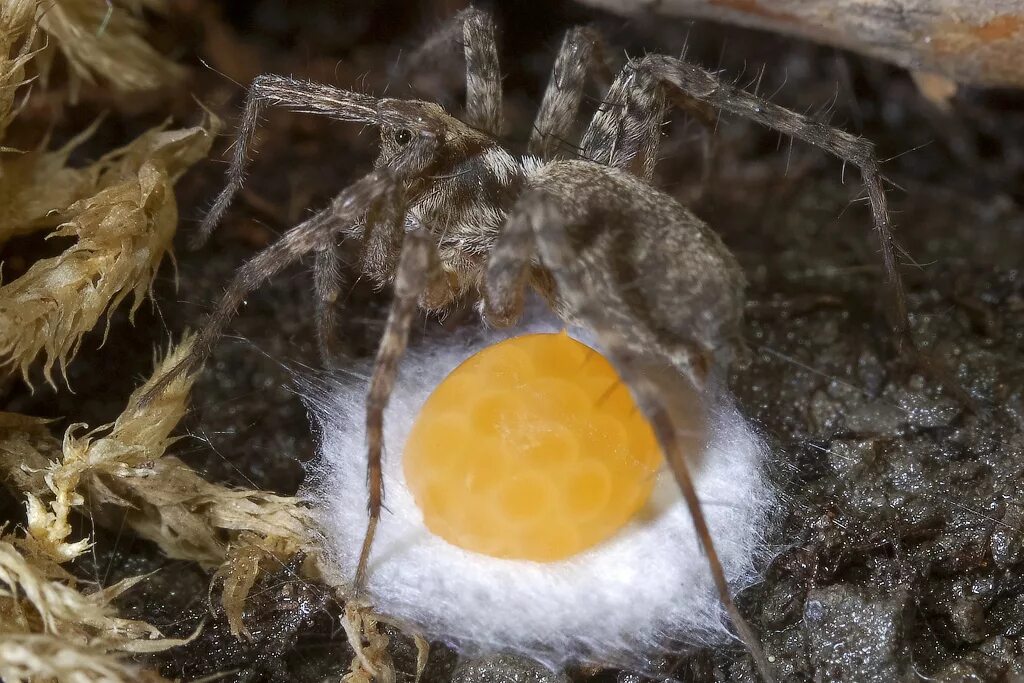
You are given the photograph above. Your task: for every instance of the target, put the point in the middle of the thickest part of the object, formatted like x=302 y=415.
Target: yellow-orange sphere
x=531 y=449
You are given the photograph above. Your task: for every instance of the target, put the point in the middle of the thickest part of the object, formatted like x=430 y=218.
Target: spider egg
x=532 y=449
x=527 y=509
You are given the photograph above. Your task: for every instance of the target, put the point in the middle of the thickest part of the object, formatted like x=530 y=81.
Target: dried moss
x=37 y=657
x=122 y=466
x=51 y=629
x=120 y=474
x=121 y=212
x=16 y=36
x=103 y=41
x=123 y=232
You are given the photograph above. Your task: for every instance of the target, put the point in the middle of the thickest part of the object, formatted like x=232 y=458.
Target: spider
x=449 y=215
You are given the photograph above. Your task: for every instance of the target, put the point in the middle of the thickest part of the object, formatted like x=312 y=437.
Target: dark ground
x=900 y=550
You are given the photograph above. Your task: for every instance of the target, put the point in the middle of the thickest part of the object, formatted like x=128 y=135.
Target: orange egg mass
x=531 y=449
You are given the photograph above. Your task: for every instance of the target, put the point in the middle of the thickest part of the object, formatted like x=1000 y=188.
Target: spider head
x=418 y=137
x=456 y=180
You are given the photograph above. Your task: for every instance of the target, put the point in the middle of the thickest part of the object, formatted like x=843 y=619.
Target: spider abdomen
x=667 y=280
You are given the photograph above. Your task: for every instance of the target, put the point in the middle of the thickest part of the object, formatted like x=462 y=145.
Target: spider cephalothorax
x=462 y=201
x=448 y=214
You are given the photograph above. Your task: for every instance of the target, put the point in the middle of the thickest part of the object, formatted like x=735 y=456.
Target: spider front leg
x=381 y=238
x=306 y=97
x=417 y=264
x=265 y=90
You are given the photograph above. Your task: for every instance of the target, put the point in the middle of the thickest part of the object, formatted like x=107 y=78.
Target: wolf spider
x=448 y=214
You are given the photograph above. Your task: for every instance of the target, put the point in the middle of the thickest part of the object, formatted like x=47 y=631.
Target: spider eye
x=403 y=136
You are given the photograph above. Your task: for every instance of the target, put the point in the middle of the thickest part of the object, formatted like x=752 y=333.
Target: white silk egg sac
x=644 y=591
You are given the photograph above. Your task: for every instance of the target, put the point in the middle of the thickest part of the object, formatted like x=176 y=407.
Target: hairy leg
x=610 y=137
x=416 y=264
x=327 y=280
x=626 y=130
x=301 y=96
x=555 y=251
x=360 y=201
x=703 y=86
x=582 y=50
x=382 y=237
x=300 y=240
x=537 y=224
x=508 y=266
x=381 y=233
x=474 y=28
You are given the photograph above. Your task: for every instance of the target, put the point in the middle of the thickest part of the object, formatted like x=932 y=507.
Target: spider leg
x=382 y=237
x=304 y=97
x=483 y=77
x=635 y=368
x=327 y=280
x=656 y=383
x=300 y=240
x=508 y=266
x=620 y=141
x=626 y=129
x=582 y=50
x=417 y=262
x=625 y=132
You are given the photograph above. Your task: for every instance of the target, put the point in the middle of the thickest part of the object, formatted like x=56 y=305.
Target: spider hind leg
x=662 y=382
x=626 y=136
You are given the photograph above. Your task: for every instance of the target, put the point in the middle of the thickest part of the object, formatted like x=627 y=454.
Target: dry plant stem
x=123 y=477
x=966 y=41
x=50 y=626
x=29 y=657
x=45 y=597
x=37 y=187
x=372 y=662
x=239 y=571
x=127 y=448
x=122 y=211
x=17 y=33
x=117 y=54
